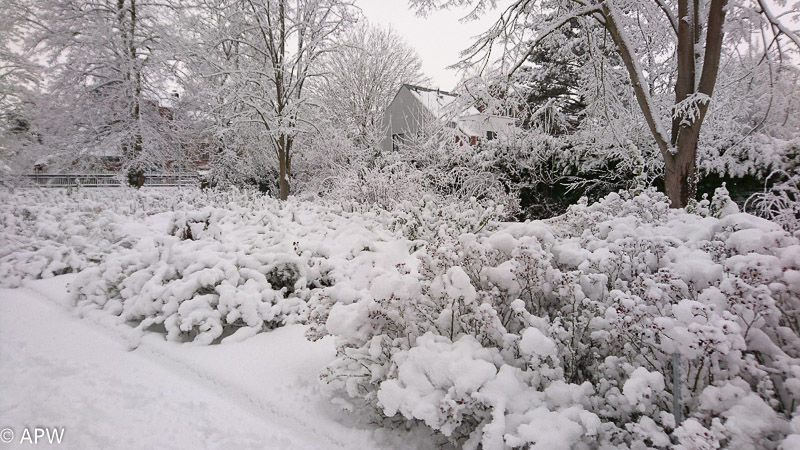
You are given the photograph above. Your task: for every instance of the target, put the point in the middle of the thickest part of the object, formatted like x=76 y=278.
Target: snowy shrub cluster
x=50 y=232
x=225 y=273
x=426 y=219
x=213 y=265
x=564 y=334
x=199 y=289
x=559 y=334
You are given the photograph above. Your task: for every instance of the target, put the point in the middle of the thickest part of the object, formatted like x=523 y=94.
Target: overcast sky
x=438 y=38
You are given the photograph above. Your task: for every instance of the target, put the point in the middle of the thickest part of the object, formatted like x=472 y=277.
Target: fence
x=62 y=180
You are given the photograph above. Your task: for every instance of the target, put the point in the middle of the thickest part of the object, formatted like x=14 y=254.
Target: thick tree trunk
x=687 y=62
x=680 y=168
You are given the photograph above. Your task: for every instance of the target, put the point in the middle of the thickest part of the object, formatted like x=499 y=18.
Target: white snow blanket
x=556 y=334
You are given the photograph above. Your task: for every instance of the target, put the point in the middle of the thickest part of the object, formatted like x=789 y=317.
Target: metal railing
x=62 y=180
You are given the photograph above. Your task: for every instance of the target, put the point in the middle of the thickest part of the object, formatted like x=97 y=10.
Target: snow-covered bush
x=562 y=334
x=719 y=206
x=427 y=219
x=47 y=232
x=556 y=334
x=780 y=200
x=199 y=290
x=226 y=272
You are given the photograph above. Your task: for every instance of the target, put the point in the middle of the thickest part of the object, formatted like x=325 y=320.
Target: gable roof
x=439 y=103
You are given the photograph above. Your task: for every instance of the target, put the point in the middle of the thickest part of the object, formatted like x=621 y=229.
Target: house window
x=397 y=139
x=490 y=135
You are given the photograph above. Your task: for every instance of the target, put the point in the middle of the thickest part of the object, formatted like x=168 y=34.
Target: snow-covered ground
x=58 y=370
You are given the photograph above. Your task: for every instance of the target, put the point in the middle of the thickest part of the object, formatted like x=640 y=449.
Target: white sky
x=438 y=39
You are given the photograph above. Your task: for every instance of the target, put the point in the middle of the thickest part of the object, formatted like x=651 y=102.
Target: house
x=414 y=108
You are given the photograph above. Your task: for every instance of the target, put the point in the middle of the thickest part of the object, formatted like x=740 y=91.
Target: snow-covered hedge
x=227 y=271
x=47 y=232
x=562 y=334
x=206 y=278
x=213 y=265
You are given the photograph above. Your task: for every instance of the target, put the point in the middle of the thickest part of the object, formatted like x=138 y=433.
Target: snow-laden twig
x=688 y=110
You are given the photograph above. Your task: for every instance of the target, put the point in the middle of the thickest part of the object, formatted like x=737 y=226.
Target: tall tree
x=259 y=55
x=18 y=84
x=106 y=67
x=664 y=46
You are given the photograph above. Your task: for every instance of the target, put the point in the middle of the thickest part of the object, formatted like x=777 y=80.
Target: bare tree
x=260 y=54
x=361 y=78
x=664 y=45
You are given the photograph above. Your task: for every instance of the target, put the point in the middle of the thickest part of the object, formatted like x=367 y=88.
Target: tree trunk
x=131 y=151
x=137 y=93
x=283 y=182
x=284 y=165
x=680 y=168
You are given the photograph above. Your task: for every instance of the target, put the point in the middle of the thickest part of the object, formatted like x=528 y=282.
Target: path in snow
x=60 y=371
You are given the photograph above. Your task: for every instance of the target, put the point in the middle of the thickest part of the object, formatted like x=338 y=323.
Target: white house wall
x=480 y=124
x=404 y=115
